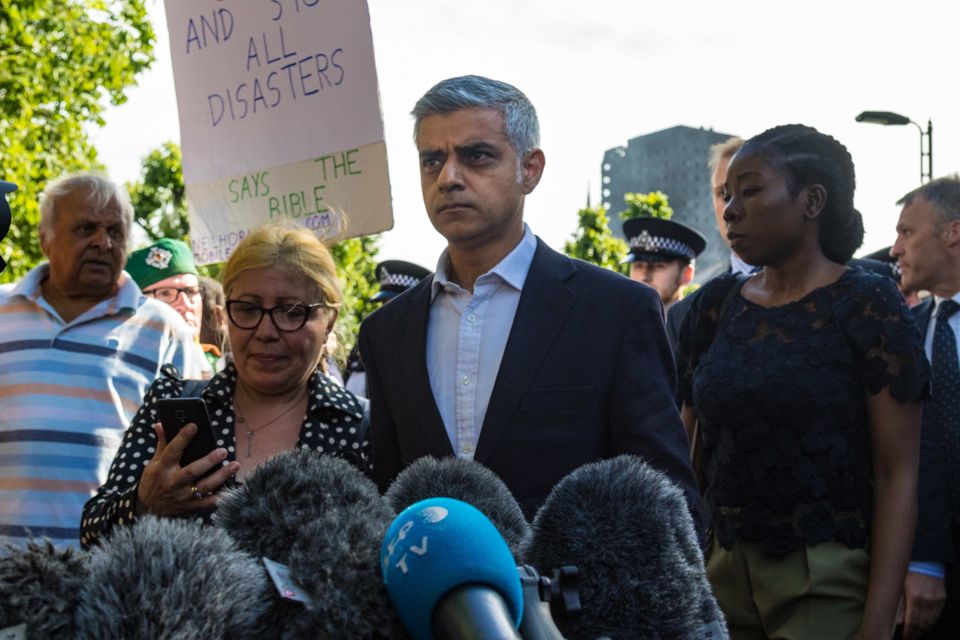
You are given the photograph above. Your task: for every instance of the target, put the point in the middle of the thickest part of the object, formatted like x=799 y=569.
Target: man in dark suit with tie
x=512 y=354
x=928 y=250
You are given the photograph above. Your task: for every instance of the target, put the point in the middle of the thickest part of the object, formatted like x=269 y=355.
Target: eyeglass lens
x=286 y=317
x=169 y=294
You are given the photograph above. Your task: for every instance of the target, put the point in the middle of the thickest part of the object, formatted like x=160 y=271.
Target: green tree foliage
x=61 y=63
x=655 y=204
x=593 y=241
x=689 y=289
x=356 y=260
x=159 y=197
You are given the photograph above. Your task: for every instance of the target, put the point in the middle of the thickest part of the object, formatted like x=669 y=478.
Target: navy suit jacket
x=676 y=314
x=933 y=541
x=586 y=375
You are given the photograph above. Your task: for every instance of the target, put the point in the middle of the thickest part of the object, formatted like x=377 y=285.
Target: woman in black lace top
x=805 y=383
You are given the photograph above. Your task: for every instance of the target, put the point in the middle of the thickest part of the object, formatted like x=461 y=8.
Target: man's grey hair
x=477 y=92
x=943 y=193
x=723 y=151
x=101 y=191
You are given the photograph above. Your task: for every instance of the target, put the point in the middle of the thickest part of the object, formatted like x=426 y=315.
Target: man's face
x=923 y=237
x=665 y=277
x=188 y=303
x=472 y=180
x=716 y=186
x=87 y=249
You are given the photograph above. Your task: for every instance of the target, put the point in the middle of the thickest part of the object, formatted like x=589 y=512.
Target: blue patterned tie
x=946 y=394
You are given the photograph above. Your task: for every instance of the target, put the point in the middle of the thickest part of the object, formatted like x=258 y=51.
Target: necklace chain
x=252 y=432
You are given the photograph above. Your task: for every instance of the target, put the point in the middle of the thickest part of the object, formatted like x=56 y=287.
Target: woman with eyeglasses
x=281 y=303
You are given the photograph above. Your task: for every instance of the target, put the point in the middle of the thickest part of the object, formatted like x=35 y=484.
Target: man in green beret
x=165 y=270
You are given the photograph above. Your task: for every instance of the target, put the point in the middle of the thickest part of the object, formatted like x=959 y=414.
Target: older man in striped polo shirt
x=79 y=345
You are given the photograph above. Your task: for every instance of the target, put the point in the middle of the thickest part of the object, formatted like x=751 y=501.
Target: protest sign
x=279 y=118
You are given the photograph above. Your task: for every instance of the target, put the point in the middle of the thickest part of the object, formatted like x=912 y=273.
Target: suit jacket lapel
x=541 y=312
x=922 y=313
x=412 y=329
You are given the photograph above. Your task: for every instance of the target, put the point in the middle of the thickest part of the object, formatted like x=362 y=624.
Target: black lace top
x=781 y=398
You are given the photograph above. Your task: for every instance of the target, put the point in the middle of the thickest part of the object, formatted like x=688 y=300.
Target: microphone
x=449 y=573
x=467 y=481
x=40 y=587
x=325 y=520
x=539 y=593
x=627 y=529
x=171 y=578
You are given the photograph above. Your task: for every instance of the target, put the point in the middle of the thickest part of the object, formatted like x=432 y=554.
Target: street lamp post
x=926 y=150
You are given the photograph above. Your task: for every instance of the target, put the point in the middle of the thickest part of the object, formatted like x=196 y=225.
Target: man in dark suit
x=512 y=354
x=928 y=251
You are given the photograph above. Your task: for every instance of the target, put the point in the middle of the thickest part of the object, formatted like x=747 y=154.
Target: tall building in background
x=673 y=161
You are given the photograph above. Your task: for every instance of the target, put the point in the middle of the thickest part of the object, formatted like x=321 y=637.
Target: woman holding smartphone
x=804 y=383
x=281 y=303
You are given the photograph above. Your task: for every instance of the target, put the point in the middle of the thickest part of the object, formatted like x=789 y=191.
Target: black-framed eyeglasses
x=289 y=316
x=170 y=294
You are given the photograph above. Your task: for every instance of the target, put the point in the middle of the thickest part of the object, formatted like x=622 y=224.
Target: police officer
x=662 y=254
x=395 y=277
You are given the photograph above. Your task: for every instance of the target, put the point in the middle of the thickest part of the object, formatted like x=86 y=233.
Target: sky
x=604 y=71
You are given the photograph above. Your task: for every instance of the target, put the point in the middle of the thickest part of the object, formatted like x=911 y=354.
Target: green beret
x=162 y=259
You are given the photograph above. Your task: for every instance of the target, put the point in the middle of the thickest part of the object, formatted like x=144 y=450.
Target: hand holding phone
x=166 y=489
x=175 y=413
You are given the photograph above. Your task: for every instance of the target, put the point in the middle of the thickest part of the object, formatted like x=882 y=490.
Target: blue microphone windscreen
x=439 y=544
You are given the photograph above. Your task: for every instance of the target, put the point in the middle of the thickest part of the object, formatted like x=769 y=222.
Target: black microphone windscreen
x=325 y=520
x=467 y=481
x=172 y=578
x=627 y=529
x=40 y=586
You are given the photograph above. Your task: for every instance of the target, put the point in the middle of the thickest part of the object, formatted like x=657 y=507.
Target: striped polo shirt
x=68 y=390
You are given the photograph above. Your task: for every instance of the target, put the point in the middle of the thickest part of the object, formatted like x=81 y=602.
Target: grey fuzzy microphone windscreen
x=464 y=480
x=325 y=520
x=172 y=578
x=40 y=586
x=628 y=530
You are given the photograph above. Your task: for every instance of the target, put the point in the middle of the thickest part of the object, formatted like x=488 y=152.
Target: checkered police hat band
x=658 y=244
x=398 y=280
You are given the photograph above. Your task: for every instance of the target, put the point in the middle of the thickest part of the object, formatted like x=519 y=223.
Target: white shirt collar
x=737 y=265
x=937 y=300
x=128 y=294
x=513 y=269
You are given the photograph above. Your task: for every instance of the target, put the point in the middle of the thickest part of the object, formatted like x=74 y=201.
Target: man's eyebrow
x=480 y=145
